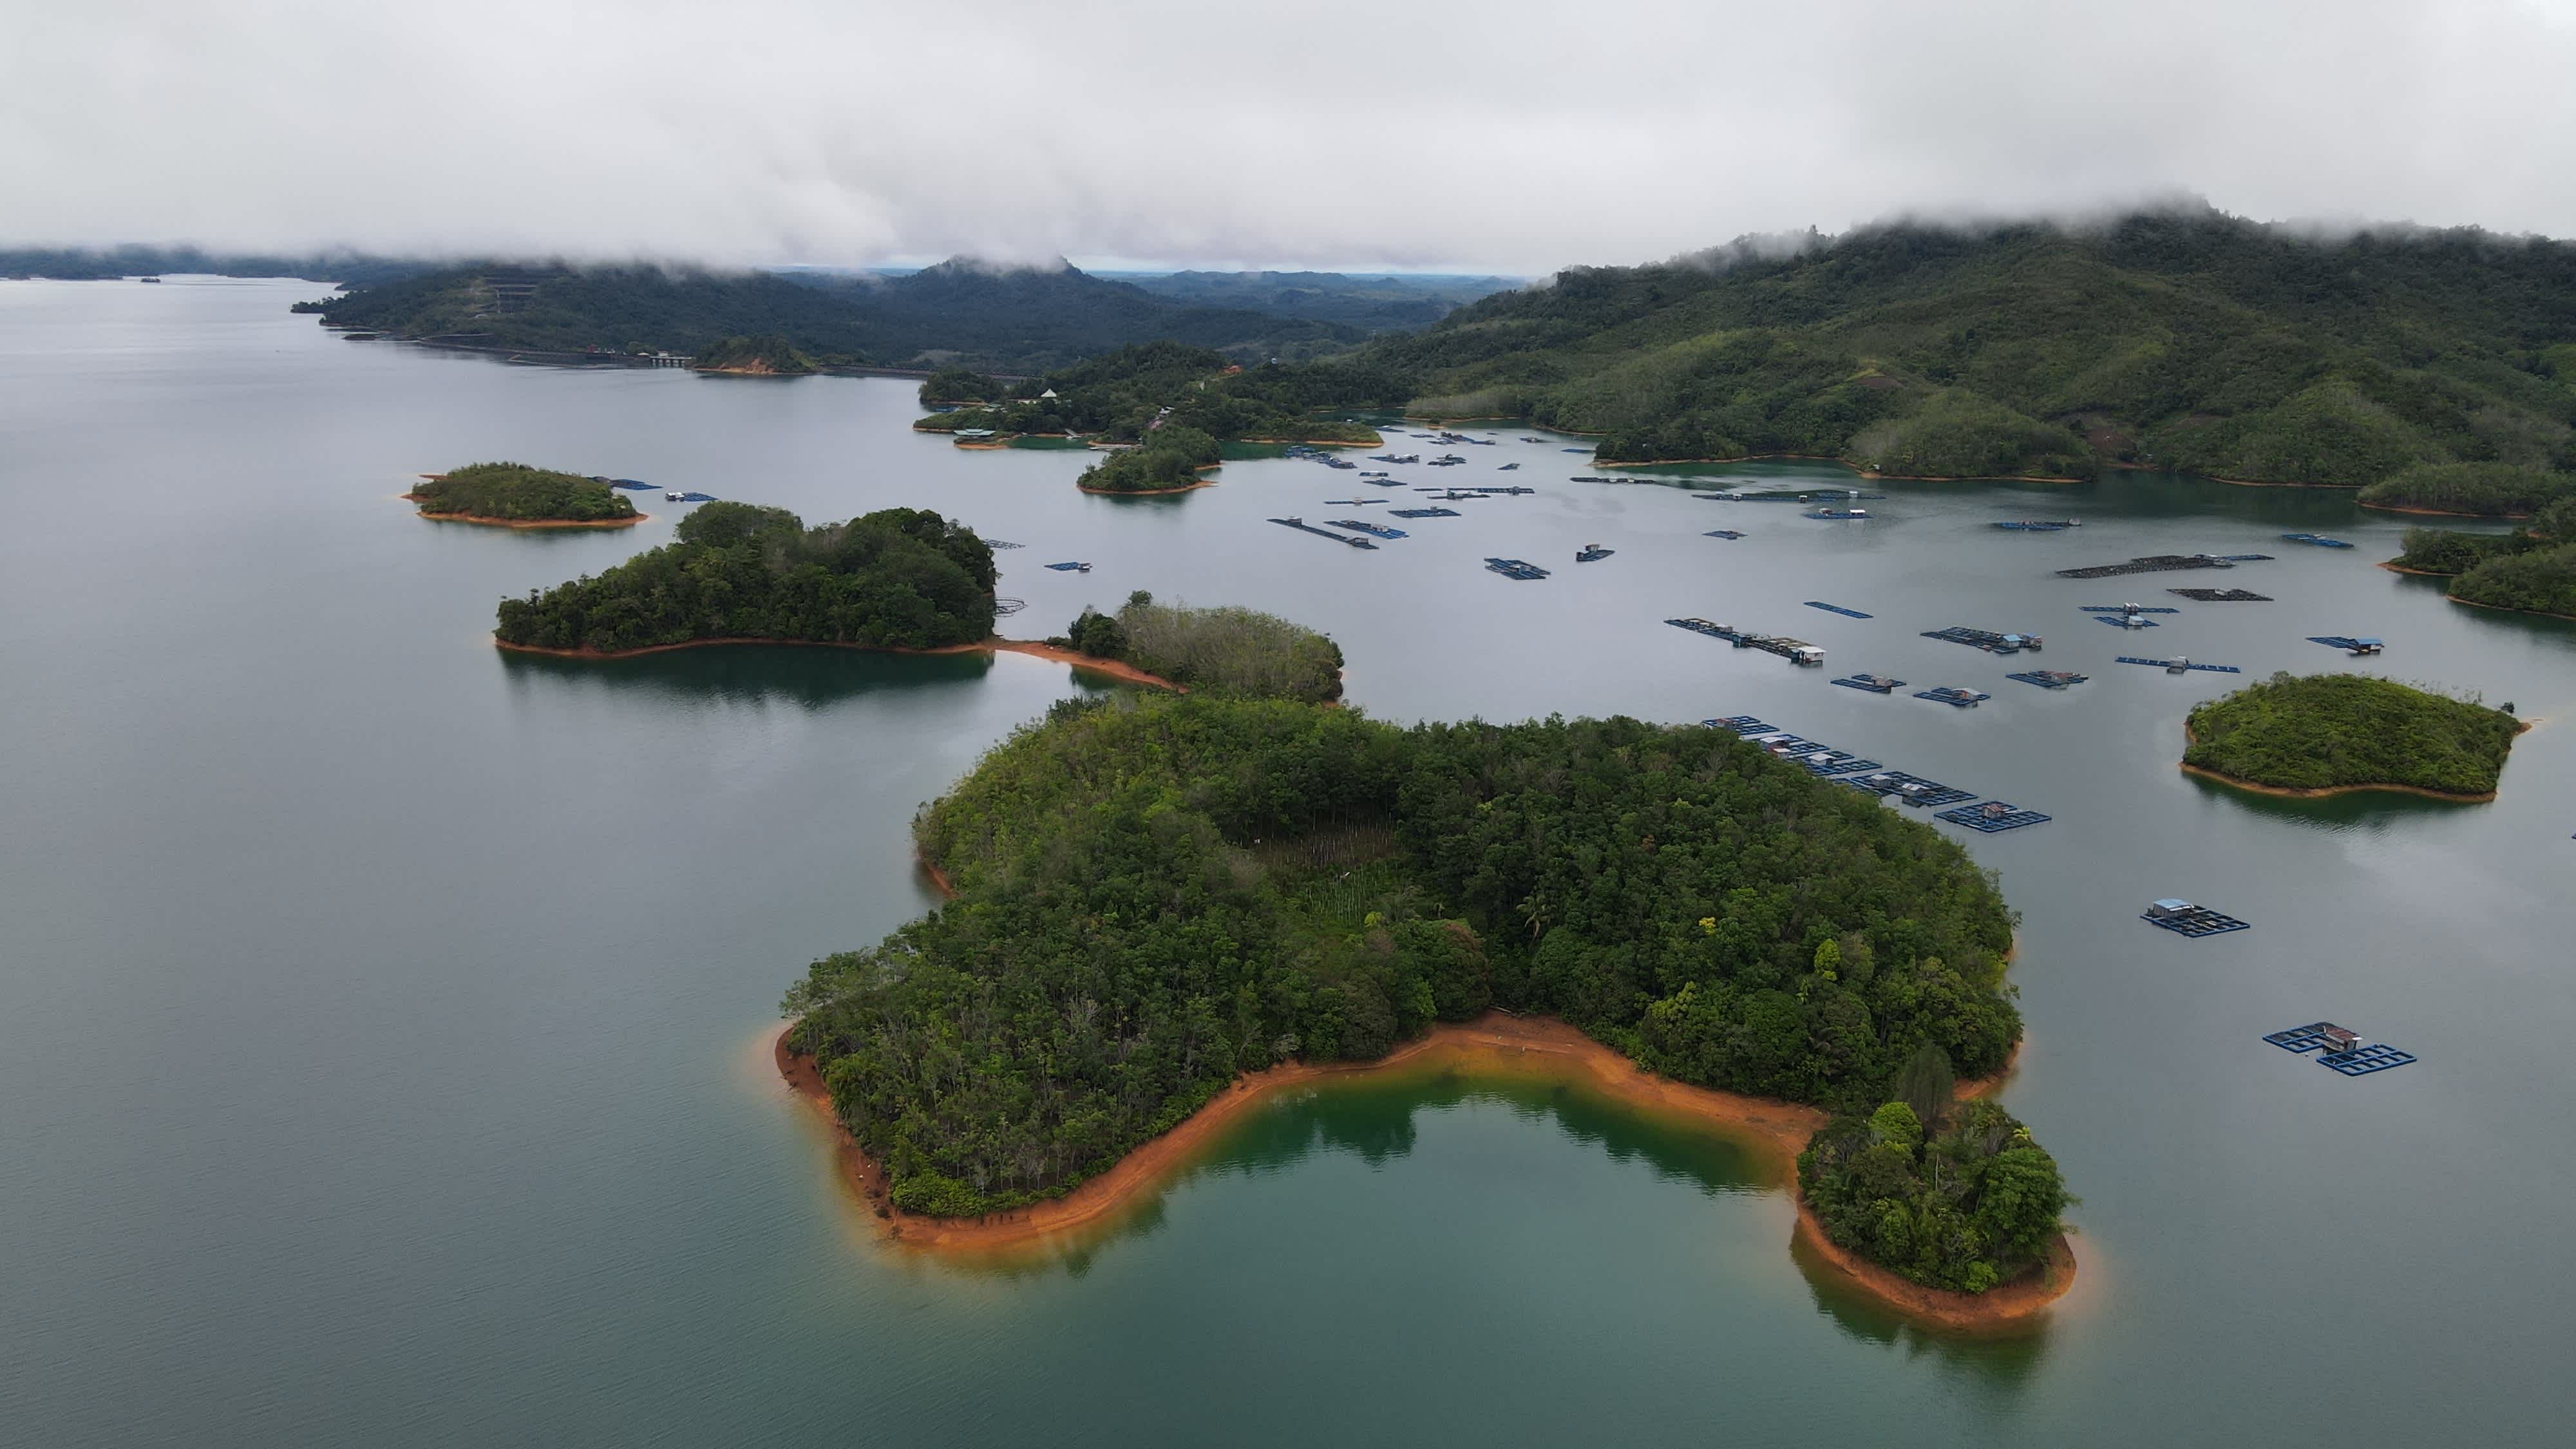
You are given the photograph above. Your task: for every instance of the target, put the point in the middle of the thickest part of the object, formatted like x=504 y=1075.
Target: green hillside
x=2183 y=340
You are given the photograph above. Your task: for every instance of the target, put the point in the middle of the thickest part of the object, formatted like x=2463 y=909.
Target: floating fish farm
x=2347 y=643
x=1909 y=789
x=1424 y=513
x=2318 y=540
x=1991 y=817
x=1986 y=639
x=2185 y=919
x=1512 y=568
x=1951 y=694
x=1829 y=764
x=1796 y=651
x=630 y=483
x=997 y=543
x=1742 y=724
x=2130 y=609
x=1874 y=683
x=1722 y=533
x=2331 y=1043
x=1592 y=553
x=1838 y=513
x=1069 y=568
x=1302 y=526
x=1511 y=488
x=2178 y=664
x=2222 y=596
x=2050 y=678
x=1590 y=478
x=2040 y=525
x=1838 y=609
x=1391 y=458
x=2154 y=563
x=1374 y=530
x=1351 y=502
x=2125 y=621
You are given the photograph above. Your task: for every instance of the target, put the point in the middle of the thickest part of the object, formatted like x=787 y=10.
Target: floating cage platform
x=2362 y=1061
x=1070 y=567
x=1874 y=683
x=2177 y=666
x=1722 y=533
x=2317 y=540
x=1854 y=513
x=2223 y=596
x=2347 y=643
x=2050 y=678
x=1424 y=513
x=1992 y=817
x=1302 y=526
x=1512 y=568
x=1593 y=553
x=2130 y=609
x=1986 y=639
x=1911 y=789
x=2039 y=525
x=1839 y=609
x=629 y=483
x=2185 y=919
x=2126 y=621
x=2156 y=563
x=997 y=543
x=1742 y=724
x=1374 y=530
x=1953 y=695
x=1830 y=763
x=2301 y=1038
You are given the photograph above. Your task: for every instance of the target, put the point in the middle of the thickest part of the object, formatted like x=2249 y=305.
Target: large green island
x=899 y=578
x=2531 y=570
x=514 y=495
x=1163 y=905
x=2329 y=734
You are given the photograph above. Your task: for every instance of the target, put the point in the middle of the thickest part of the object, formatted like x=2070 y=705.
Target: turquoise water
x=382 y=1020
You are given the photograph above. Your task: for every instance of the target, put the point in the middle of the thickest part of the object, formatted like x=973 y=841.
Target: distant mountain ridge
x=89 y=264
x=2185 y=339
x=958 y=313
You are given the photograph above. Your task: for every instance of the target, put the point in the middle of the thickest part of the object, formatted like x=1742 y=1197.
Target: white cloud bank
x=1496 y=135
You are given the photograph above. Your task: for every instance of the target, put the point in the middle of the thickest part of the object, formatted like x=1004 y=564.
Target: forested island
x=2531 y=570
x=1138 y=394
x=519 y=496
x=2332 y=733
x=1224 y=650
x=2180 y=339
x=899 y=578
x=1154 y=896
x=767 y=356
x=1168 y=460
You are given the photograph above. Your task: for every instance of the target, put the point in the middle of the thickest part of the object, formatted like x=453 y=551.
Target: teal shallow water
x=379 y=1016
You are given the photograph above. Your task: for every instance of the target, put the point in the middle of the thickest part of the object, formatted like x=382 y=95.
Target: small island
x=767 y=356
x=2331 y=734
x=1222 y=650
x=1168 y=461
x=514 y=495
x=899 y=578
x=1164 y=906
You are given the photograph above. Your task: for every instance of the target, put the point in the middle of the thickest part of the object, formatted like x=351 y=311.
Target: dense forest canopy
x=1155 y=894
x=2532 y=569
x=2489 y=490
x=519 y=493
x=2330 y=730
x=1219 y=650
x=766 y=356
x=957 y=313
x=1966 y=1205
x=1382 y=303
x=897 y=578
x=81 y=264
x=2186 y=340
x=1132 y=393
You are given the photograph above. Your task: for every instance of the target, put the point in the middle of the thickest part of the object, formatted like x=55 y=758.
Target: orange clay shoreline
x=1497 y=1041
x=488 y=522
x=1114 y=668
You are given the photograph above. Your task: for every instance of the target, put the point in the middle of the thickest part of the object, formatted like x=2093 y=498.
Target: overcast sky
x=1501 y=135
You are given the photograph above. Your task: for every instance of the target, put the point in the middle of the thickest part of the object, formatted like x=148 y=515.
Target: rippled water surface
x=382 y=1020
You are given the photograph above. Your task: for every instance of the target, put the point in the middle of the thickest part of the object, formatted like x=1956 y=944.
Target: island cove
x=1166 y=909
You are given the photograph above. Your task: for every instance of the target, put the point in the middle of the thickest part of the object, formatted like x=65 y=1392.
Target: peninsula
x=765 y=356
x=2330 y=734
x=514 y=495
x=1136 y=395
x=2531 y=570
x=1168 y=902
x=899 y=578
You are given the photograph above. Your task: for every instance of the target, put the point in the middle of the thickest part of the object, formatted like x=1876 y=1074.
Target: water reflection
x=2368 y=810
x=745 y=674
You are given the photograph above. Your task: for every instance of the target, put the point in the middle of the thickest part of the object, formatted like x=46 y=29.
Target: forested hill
x=1023 y=320
x=2181 y=339
x=85 y=264
x=1376 y=303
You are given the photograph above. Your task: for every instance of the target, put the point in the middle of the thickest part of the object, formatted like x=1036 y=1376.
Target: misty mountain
x=2176 y=339
x=1382 y=303
x=1016 y=320
x=83 y=264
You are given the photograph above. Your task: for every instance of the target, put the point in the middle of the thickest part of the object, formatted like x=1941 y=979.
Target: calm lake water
x=383 y=1020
